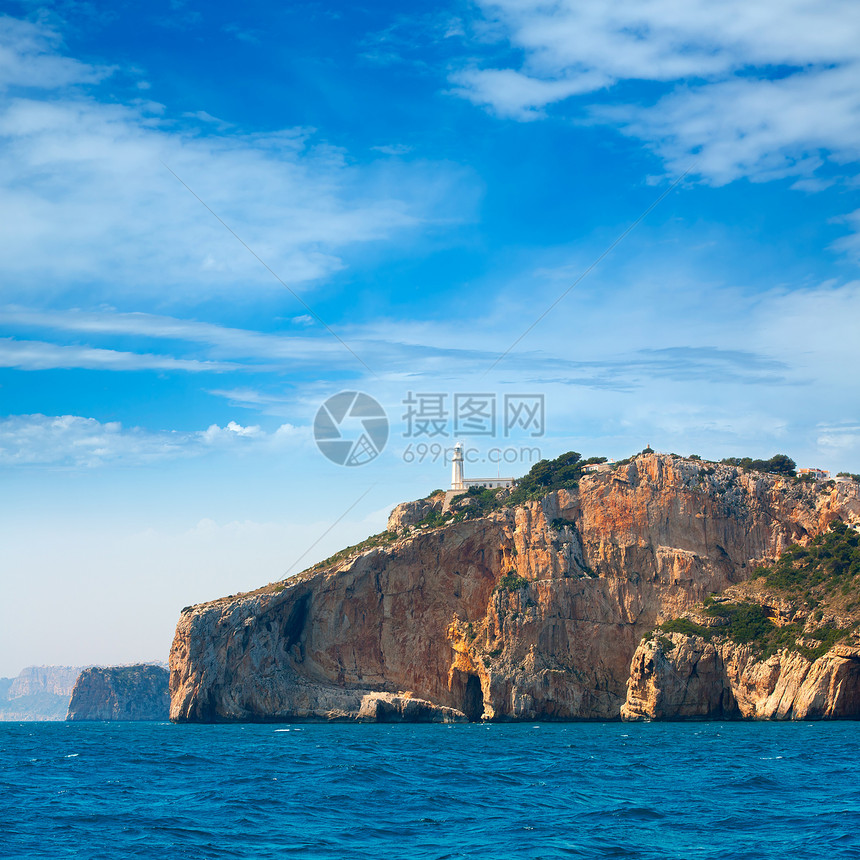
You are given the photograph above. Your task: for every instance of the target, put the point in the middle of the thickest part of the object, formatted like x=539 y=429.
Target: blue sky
x=426 y=183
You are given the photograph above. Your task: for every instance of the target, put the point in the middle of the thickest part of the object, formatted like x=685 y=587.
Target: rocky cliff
x=784 y=645
x=38 y=693
x=121 y=693
x=696 y=679
x=532 y=611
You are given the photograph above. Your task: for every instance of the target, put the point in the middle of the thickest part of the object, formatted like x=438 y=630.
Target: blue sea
x=650 y=790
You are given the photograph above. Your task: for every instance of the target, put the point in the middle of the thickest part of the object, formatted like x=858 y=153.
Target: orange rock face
x=426 y=617
x=701 y=680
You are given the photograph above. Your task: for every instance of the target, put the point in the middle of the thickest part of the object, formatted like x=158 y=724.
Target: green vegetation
x=744 y=623
x=827 y=635
x=779 y=464
x=831 y=561
x=380 y=539
x=686 y=628
x=547 y=475
x=825 y=571
x=848 y=475
x=435 y=519
x=511 y=581
x=481 y=499
x=560 y=523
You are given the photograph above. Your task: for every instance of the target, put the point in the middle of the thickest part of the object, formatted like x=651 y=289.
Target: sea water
x=647 y=790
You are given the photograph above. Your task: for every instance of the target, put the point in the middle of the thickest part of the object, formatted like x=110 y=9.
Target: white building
x=817 y=474
x=599 y=467
x=460 y=484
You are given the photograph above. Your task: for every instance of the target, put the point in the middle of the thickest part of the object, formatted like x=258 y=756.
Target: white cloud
x=221 y=341
x=37 y=355
x=755 y=89
x=393 y=149
x=79 y=442
x=29 y=57
x=214 y=435
x=758 y=128
x=85 y=196
x=850 y=244
x=714 y=363
x=205 y=116
x=839 y=439
x=513 y=94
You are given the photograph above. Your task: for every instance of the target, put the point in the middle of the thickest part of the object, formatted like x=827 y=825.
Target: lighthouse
x=457 y=482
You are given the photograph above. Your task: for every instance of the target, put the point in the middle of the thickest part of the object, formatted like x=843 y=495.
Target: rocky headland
x=512 y=608
x=137 y=692
x=38 y=693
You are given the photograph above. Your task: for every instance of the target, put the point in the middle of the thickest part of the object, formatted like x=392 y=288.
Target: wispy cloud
x=84 y=196
x=221 y=341
x=31 y=58
x=403 y=350
x=839 y=438
x=77 y=441
x=38 y=355
x=760 y=90
x=393 y=149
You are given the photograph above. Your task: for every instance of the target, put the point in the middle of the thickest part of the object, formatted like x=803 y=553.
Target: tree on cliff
x=547 y=475
x=779 y=464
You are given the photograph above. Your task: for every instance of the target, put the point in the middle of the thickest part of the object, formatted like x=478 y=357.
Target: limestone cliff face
x=38 y=693
x=703 y=680
x=121 y=693
x=53 y=680
x=436 y=616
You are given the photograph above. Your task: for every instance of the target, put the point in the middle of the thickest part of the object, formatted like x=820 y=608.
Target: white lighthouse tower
x=457 y=481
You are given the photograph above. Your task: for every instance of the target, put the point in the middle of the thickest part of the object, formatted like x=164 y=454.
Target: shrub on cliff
x=511 y=581
x=434 y=519
x=559 y=523
x=376 y=540
x=826 y=571
x=779 y=464
x=831 y=561
x=744 y=623
x=480 y=500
